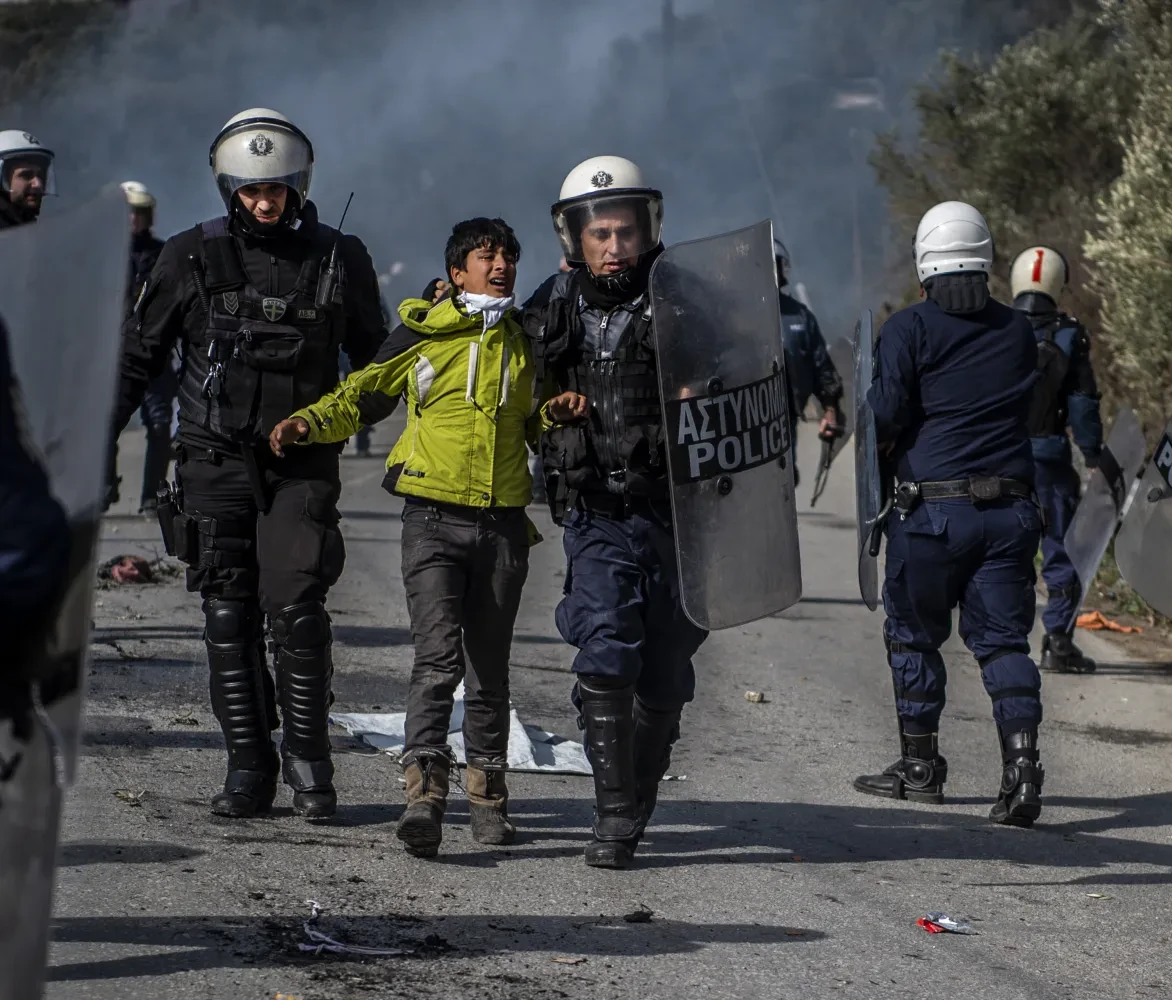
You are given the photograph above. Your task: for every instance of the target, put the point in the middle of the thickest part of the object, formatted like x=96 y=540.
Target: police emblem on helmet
x=261 y=145
x=30 y=139
x=274 y=309
x=602 y=179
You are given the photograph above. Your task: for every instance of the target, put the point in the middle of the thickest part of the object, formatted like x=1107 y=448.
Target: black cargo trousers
x=463 y=572
x=267 y=544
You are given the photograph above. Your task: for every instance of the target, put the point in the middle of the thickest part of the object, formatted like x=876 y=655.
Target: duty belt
x=978 y=489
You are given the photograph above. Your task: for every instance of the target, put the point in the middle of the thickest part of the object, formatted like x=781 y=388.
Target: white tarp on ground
x=530 y=748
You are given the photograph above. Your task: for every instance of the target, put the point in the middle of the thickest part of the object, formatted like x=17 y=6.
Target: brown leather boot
x=421 y=826
x=488 y=801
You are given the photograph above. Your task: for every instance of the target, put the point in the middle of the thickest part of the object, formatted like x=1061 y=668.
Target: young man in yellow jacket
x=461 y=465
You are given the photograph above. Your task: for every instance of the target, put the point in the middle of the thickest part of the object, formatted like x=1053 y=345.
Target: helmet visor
x=609 y=231
x=26 y=165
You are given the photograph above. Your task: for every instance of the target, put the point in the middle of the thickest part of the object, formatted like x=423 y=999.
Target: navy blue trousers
x=621 y=606
x=948 y=553
x=1058 y=489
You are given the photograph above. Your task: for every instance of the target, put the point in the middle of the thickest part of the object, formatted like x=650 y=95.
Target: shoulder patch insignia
x=232 y=302
x=274 y=308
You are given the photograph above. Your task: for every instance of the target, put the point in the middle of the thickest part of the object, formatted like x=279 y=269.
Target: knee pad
x=228 y=622
x=302 y=626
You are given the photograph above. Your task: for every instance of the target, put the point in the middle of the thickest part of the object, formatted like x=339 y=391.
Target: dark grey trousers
x=463 y=571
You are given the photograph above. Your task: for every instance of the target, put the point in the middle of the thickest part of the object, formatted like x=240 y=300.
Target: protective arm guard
x=829 y=386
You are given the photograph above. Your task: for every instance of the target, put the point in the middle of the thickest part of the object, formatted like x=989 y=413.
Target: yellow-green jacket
x=472 y=404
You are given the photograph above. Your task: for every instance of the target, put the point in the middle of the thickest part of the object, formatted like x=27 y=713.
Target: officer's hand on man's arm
x=289 y=431
x=567 y=407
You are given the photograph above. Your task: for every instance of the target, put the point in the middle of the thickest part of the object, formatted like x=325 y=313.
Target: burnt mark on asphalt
x=89 y=852
x=449 y=955
x=1117 y=734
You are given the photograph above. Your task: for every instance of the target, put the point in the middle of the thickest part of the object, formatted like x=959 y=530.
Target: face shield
x=609 y=231
x=262 y=151
x=26 y=164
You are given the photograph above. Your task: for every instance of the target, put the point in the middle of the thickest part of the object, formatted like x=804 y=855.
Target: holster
x=180 y=532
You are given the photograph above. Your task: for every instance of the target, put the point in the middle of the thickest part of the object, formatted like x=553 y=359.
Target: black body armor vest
x=609 y=358
x=260 y=357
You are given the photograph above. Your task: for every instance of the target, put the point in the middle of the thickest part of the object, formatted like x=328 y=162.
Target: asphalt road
x=767 y=875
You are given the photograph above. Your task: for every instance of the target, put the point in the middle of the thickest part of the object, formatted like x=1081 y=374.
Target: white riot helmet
x=1041 y=271
x=137 y=195
x=598 y=184
x=953 y=238
x=17 y=145
x=261 y=146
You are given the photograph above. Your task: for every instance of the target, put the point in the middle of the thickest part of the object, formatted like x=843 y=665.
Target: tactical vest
x=260 y=357
x=1055 y=356
x=625 y=431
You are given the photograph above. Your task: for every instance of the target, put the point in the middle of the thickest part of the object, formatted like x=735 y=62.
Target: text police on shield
x=727 y=433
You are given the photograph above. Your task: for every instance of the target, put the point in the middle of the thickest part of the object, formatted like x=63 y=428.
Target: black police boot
x=607 y=717
x=239 y=704
x=918 y=775
x=656 y=730
x=301 y=636
x=154 y=471
x=1019 y=802
x=1061 y=656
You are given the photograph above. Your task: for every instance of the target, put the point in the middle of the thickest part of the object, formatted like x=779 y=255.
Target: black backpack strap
x=223 y=268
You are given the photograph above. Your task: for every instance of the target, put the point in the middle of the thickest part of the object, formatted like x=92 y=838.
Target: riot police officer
x=605 y=475
x=260 y=302
x=159 y=402
x=954 y=377
x=1066 y=396
x=808 y=364
x=26 y=176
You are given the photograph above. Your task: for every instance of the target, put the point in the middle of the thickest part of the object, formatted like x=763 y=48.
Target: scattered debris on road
x=942 y=923
x=319 y=943
x=756 y=698
x=126 y=569
x=1096 y=621
x=569 y=960
x=129 y=797
x=642 y=915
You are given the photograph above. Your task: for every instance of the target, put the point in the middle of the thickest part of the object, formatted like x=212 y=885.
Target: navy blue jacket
x=953 y=392
x=34 y=535
x=809 y=366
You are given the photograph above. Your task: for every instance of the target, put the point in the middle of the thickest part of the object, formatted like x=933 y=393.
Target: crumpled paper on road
x=530 y=748
x=1096 y=621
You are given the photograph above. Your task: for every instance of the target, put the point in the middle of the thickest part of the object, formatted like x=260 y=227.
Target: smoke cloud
x=737 y=109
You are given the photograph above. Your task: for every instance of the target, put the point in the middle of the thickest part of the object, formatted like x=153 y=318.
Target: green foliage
x=1132 y=248
x=1031 y=140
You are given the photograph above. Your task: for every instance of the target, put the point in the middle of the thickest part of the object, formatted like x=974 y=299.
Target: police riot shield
x=722 y=381
x=1101 y=506
x=870 y=489
x=1143 y=547
x=62 y=288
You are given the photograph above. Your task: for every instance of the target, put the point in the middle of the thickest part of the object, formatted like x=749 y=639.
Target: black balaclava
x=267 y=231
x=959 y=293
x=1038 y=306
x=608 y=291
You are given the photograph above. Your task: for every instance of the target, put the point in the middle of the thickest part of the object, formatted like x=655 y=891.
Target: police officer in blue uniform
x=808 y=364
x=954 y=377
x=605 y=473
x=1066 y=396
